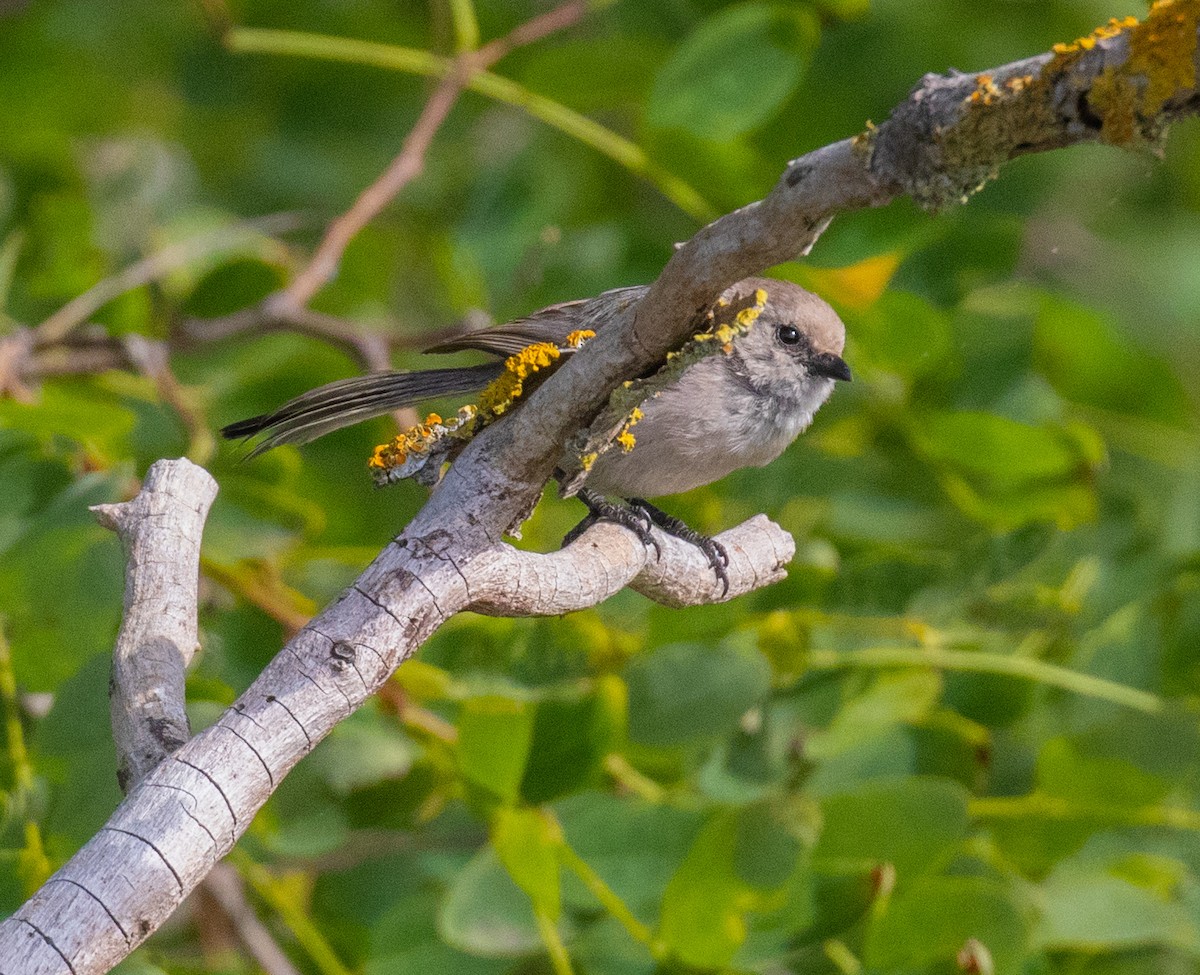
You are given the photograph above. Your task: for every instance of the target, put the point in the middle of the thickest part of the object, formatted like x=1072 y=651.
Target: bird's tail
x=347 y=401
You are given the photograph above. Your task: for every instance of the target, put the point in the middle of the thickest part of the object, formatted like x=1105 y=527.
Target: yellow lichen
x=507 y=388
x=721 y=323
x=1114 y=27
x=863 y=144
x=1162 y=51
x=1128 y=97
x=725 y=332
x=624 y=438
x=578 y=337
x=986 y=91
x=406 y=454
x=747 y=316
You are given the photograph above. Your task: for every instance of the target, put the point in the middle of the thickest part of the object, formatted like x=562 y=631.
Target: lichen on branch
x=1122 y=84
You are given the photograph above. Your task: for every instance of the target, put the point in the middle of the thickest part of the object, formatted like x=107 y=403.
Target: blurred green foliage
x=963 y=729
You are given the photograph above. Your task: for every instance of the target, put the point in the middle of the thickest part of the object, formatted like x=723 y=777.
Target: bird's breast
x=699 y=432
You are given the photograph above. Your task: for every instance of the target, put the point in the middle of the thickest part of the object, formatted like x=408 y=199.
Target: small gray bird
x=728 y=411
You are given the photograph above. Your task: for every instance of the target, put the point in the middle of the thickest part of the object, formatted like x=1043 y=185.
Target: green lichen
x=1131 y=96
x=1005 y=115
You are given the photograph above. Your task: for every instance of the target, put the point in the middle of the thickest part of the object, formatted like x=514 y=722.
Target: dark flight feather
x=346 y=401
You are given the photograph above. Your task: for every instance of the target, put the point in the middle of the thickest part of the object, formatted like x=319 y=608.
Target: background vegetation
x=969 y=713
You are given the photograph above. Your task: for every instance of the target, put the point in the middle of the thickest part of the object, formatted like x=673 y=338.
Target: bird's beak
x=831 y=366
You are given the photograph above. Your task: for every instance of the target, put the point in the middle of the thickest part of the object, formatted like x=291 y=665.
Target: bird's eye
x=788 y=334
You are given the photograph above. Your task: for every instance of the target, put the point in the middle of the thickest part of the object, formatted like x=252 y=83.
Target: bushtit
x=727 y=411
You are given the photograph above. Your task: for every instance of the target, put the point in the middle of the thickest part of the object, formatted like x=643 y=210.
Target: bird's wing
x=551 y=324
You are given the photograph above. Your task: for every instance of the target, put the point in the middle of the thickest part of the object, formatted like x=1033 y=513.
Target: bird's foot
x=601 y=509
x=716 y=553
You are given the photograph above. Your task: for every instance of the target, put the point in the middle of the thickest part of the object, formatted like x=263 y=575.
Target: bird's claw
x=640 y=517
x=714 y=551
x=634 y=518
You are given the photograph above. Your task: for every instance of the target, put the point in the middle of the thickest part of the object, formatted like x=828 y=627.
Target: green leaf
x=527 y=841
x=405 y=939
x=320 y=829
x=572 y=732
x=363 y=750
x=138 y=964
x=1088 y=361
x=234 y=285
x=63 y=550
x=930 y=922
x=901 y=332
x=76 y=413
x=1005 y=452
x=880 y=518
x=767 y=847
x=494 y=736
x=1064 y=772
x=890 y=699
x=75 y=753
x=734 y=71
x=605 y=947
x=1087 y=907
x=485 y=913
x=634 y=846
x=593 y=74
x=687 y=692
x=910 y=823
x=703 y=912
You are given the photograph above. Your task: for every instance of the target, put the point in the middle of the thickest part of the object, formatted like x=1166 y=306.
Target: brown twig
x=152 y=359
x=77 y=311
x=369 y=348
x=46 y=350
x=15 y=350
x=403 y=169
x=223 y=887
x=411 y=159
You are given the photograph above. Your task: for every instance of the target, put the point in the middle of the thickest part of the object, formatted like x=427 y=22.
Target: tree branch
x=607 y=558
x=938 y=146
x=160 y=531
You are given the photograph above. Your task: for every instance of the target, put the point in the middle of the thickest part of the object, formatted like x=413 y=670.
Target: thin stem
x=1027 y=668
x=608 y=898
x=410 y=161
x=414 y=61
x=75 y=312
x=616 y=765
x=297 y=921
x=10 y=250
x=402 y=171
x=224 y=886
x=1040 y=806
x=559 y=959
x=842 y=957
x=466 y=25
x=603 y=140
x=153 y=360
